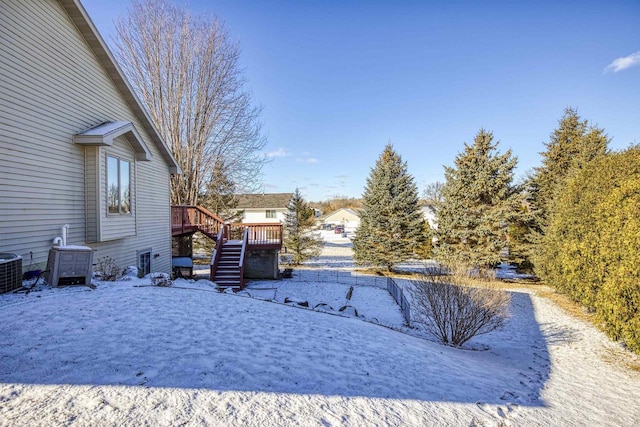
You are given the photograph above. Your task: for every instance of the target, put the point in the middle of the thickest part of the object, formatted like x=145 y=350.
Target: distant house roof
x=340 y=214
x=264 y=201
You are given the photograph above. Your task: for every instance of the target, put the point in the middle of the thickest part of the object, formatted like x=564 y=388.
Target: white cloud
x=280 y=152
x=623 y=63
x=307 y=160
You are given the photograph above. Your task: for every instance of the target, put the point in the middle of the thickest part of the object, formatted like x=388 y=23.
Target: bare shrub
x=106 y=269
x=468 y=275
x=455 y=313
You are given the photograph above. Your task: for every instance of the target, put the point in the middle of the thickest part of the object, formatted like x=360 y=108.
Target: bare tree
x=456 y=313
x=185 y=69
x=432 y=195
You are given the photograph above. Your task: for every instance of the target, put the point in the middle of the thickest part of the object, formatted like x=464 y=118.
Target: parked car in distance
x=338 y=229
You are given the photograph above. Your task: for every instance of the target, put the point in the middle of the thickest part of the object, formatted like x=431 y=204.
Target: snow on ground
x=128 y=353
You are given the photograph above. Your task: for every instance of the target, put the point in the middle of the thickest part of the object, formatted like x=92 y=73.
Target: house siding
x=92 y=194
x=52 y=87
x=260 y=216
x=350 y=220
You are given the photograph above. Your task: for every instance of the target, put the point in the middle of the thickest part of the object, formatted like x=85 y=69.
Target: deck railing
x=189 y=219
x=263 y=236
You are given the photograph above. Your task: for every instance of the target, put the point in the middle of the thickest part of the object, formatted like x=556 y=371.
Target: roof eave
x=85 y=25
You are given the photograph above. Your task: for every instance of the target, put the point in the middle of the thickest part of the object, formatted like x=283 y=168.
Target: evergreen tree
x=220 y=197
x=391 y=222
x=571 y=146
x=299 y=239
x=479 y=203
x=591 y=247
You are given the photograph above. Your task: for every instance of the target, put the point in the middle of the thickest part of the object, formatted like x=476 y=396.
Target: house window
x=144 y=262
x=271 y=213
x=118 y=186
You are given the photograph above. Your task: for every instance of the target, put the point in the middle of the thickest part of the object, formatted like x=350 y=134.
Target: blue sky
x=338 y=80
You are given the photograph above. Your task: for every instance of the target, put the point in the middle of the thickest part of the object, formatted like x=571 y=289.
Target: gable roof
x=264 y=200
x=105 y=133
x=340 y=211
x=87 y=29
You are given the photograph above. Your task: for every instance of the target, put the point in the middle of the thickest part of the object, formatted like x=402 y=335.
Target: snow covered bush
x=161 y=279
x=455 y=313
x=106 y=269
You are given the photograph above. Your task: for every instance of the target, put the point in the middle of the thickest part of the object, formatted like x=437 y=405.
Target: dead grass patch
x=617 y=356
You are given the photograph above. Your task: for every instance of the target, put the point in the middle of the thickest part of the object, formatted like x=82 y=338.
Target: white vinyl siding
x=349 y=219
x=52 y=87
x=92 y=193
x=260 y=216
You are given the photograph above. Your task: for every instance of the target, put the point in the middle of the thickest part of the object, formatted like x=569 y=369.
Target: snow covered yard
x=128 y=353
x=373 y=304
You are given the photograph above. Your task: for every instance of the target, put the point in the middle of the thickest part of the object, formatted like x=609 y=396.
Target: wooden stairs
x=227 y=264
x=233 y=241
x=228 y=273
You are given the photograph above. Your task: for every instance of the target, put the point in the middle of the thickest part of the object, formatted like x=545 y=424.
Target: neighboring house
x=76 y=146
x=428 y=213
x=263 y=208
x=343 y=216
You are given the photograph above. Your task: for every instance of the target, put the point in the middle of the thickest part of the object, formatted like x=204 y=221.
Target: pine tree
x=391 y=222
x=479 y=203
x=299 y=239
x=220 y=197
x=571 y=146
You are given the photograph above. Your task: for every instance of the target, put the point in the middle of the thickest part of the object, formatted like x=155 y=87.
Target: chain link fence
x=337 y=276
x=398 y=295
x=355 y=279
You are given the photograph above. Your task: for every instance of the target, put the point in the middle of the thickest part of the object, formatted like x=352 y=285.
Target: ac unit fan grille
x=10 y=275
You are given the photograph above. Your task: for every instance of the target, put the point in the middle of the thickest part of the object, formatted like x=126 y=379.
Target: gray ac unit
x=10 y=272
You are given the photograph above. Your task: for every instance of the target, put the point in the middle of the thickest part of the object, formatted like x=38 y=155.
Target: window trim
x=140 y=253
x=119 y=169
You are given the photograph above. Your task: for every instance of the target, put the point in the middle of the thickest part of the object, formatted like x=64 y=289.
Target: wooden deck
x=189 y=219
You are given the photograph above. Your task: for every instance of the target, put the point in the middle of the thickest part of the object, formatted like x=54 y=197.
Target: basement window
x=144 y=262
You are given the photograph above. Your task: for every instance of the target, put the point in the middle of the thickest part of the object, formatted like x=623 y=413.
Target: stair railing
x=208 y=222
x=245 y=239
x=217 y=252
x=188 y=219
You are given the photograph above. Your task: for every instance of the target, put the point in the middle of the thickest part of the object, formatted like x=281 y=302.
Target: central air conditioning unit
x=10 y=272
